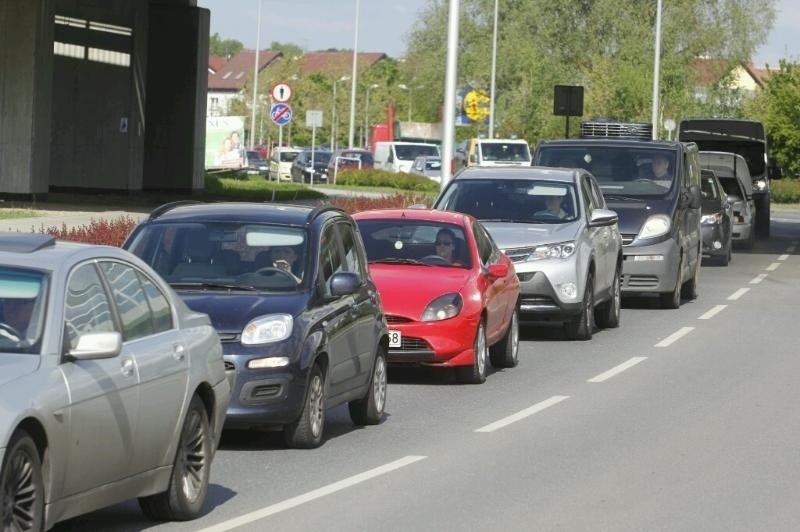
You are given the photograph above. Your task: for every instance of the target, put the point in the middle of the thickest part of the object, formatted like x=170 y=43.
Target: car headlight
x=443 y=308
x=760 y=185
x=562 y=250
x=711 y=219
x=655 y=225
x=267 y=329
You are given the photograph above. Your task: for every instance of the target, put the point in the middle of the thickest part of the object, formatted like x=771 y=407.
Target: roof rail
x=319 y=209
x=161 y=209
x=604 y=128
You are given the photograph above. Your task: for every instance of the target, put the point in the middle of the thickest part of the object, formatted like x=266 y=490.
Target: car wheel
x=505 y=353
x=476 y=373
x=22 y=485
x=188 y=484
x=689 y=288
x=672 y=299
x=369 y=409
x=607 y=316
x=581 y=326
x=306 y=431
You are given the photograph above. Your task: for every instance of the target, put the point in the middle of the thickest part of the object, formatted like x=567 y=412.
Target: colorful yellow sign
x=476 y=105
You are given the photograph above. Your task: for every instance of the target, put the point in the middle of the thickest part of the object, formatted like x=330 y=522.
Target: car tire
x=607 y=316
x=188 y=484
x=369 y=409
x=581 y=326
x=505 y=353
x=476 y=373
x=672 y=300
x=22 y=485
x=306 y=431
x=689 y=288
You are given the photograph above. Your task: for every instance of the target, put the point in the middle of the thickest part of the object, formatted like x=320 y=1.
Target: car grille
x=413 y=344
x=640 y=281
x=627 y=239
x=390 y=319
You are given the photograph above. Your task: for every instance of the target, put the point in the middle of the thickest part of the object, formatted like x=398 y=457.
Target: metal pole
x=449 y=125
x=656 y=70
x=354 y=78
x=494 y=68
x=409 y=102
x=255 y=80
x=333 y=114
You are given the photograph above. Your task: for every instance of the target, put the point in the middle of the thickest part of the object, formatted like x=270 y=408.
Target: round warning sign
x=281 y=92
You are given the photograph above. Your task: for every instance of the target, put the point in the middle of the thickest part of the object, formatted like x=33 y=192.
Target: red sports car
x=449 y=294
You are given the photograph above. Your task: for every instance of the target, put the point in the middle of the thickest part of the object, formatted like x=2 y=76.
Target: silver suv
x=554 y=225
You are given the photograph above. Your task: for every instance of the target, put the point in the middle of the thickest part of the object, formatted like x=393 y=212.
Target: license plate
x=395 y=339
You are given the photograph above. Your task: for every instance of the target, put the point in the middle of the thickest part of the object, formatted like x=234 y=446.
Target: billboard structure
x=224 y=144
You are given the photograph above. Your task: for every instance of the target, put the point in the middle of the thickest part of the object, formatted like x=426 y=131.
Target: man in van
x=660 y=171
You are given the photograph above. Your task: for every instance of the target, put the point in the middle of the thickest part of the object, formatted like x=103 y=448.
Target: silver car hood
x=14 y=366
x=517 y=235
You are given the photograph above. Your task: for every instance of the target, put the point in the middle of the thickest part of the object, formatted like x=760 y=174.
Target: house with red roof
x=707 y=73
x=227 y=78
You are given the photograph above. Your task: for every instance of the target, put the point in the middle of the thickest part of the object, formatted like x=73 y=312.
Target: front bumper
x=642 y=271
x=435 y=343
x=540 y=288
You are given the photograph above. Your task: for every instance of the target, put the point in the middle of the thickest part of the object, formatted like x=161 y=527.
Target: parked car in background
x=288 y=289
x=732 y=171
x=449 y=294
x=280 y=163
x=428 y=165
x=398 y=156
x=255 y=163
x=492 y=152
x=111 y=387
x=349 y=159
x=555 y=226
x=302 y=171
x=716 y=222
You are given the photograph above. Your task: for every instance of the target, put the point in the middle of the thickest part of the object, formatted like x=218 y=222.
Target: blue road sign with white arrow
x=281 y=113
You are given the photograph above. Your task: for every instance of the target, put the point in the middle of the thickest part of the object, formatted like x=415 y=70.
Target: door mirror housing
x=603 y=217
x=345 y=283
x=97 y=345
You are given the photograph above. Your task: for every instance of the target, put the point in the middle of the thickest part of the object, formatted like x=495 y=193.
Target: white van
x=280 y=163
x=492 y=152
x=399 y=156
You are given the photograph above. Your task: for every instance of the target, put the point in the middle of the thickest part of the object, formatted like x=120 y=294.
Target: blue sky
x=384 y=24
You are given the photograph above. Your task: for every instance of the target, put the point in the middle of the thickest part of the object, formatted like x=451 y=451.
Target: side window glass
x=586 y=192
x=329 y=260
x=485 y=247
x=352 y=256
x=159 y=305
x=87 y=308
x=134 y=312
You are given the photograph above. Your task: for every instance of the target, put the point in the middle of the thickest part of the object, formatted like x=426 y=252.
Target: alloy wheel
x=19 y=492
x=315 y=406
x=194 y=459
x=379 y=384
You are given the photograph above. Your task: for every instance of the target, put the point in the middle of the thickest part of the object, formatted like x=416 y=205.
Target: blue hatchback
x=288 y=290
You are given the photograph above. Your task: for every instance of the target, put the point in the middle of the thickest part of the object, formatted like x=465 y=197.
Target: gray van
x=659 y=214
x=734 y=176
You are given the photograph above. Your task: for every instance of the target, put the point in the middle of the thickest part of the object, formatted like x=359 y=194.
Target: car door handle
x=179 y=352
x=127 y=367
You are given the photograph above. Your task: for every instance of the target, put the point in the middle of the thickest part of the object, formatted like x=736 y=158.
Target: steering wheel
x=9 y=330
x=436 y=260
x=271 y=270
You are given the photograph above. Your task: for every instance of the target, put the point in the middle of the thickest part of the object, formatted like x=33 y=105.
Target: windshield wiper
x=213 y=285
x=389 y=260
x=617 y=197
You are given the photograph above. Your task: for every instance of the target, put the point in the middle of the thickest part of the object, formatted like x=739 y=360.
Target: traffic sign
x=282 y=92
x=281 y=113
x=313 y=118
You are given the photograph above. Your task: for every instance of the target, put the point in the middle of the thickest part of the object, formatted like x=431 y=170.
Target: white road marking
x=772 y=267
x=713 y=312
x=674 y=337
x=312 y=495
x=783 y=257
x=619 y=369
x=758 y=278
x=739 y=293
x=522 y=414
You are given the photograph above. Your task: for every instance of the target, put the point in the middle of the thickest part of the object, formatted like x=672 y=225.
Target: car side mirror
x=496 y=271
x=97 y=345
x=345 y=283
x=603 y=217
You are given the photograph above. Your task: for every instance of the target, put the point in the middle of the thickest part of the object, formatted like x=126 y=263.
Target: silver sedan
x=110 y=387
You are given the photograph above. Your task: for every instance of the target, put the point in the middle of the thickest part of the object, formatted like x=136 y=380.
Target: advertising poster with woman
x=225 y=142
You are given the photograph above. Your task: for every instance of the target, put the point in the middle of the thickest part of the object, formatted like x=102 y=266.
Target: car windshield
x=353 y=156
x=288 y=156
x=622 y=171
x=505 y=151
x=512 y=200
x=415 y=242
x=225 y=255
x=708 y=187
x=409 y=152
x=23 y=302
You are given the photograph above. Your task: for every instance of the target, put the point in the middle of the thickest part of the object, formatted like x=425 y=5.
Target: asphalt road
x=678 y=420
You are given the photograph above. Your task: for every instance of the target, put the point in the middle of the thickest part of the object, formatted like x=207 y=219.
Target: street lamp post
x=494 y=69
x=366 y=114
x=408 y=88
x=354 y=74
x=656 y=70
x=333 y=111
x=255 y=80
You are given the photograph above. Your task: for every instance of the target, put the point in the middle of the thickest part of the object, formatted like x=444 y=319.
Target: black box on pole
x=568 y=100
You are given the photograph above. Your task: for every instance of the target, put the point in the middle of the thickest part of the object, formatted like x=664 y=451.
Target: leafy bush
x=108 y=232
x=354 y=204
x=786 y=191
x=382 y=178
x=255 y=188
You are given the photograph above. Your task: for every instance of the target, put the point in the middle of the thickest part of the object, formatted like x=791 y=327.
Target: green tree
x=223 y=47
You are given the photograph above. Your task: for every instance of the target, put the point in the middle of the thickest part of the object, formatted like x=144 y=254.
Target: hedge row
x=382 y=178
x=786 y=191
